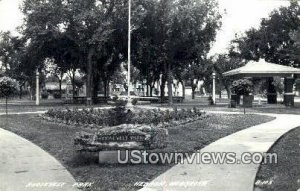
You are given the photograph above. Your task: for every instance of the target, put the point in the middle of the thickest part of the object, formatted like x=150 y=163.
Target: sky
x=10 y=15
x=240 y=16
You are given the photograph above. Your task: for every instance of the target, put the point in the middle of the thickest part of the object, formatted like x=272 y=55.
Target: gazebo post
x=289 y=91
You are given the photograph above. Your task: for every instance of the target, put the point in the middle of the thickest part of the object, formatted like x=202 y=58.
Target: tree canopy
x=173 y=36
x=91 y=35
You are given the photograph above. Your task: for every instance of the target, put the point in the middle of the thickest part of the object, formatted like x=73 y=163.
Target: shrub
x=120 y=103
x=8 y=87
x=242 y=87
x=115 y=98
x=134 y=101
x=57 y=95
x=210 y=100
x=44 y=95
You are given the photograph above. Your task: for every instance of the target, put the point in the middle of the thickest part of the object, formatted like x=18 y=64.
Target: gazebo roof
x=262 y=69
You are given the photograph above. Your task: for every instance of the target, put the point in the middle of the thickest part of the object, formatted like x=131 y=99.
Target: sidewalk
x=25 y=166
x=233 y=177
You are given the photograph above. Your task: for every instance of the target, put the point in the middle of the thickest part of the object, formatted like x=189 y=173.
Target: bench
x=149 y=99
x=176 y=99
x=99 y=100
x=79 y=100
x=83 y=100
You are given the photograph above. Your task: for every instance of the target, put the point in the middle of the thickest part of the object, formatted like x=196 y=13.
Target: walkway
x=233 y=177
x=25 y=166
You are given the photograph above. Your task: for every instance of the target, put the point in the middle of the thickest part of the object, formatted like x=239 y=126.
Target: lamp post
x=129 y=53
x=214 y=88
x=37 y=89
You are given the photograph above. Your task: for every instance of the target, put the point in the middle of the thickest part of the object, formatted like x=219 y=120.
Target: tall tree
x=77 y=34
x=196 y=72
x=223 y=63
x=7 y=49
x=182 y=35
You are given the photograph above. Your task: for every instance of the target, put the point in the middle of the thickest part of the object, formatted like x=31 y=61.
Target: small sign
x=120 y=138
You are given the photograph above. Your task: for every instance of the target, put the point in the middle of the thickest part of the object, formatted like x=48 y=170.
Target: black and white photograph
x=149 y=95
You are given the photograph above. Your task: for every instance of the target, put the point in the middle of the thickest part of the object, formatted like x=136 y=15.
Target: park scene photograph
x=149 y=95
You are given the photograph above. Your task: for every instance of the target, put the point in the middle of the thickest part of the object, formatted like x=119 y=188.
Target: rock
x=122 y=137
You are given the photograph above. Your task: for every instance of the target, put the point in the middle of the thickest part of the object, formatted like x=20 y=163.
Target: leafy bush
x=44 y=95
x=57 y=95
x=119 y=103
x=8 y=86
x=134 y=101
x=210 y=100
x=242 y=87
x=115 y=98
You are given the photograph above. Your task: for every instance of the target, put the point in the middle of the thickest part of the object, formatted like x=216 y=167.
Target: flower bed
x=100 y=118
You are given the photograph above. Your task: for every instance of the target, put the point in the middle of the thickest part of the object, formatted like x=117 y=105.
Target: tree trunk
x=220 y=88
x=162 y=88
x=228 y=91
x=225 y=84
x=6 y=105
x=89 y=87
x=272 y=97
x=60 y=88
x=21 y=89
x=73 y=83
x=147 y=90
x=30 y=94
x=104 y=87
x=193 y=89
x=170 y=84
x=108 y=88
x=151 y=90
x=95 y=89
x=183 y=88
x=95 y=85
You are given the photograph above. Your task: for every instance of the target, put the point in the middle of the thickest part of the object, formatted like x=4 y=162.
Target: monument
x=126 y=137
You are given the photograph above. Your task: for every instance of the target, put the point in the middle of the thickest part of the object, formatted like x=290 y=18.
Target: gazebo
x=263 y=69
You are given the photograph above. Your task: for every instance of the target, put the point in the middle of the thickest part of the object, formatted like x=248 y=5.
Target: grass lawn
x=285 y=175
x=57 y=139
x=14 y=106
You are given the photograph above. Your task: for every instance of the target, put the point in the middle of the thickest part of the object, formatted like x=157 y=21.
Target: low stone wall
x=122 y=137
